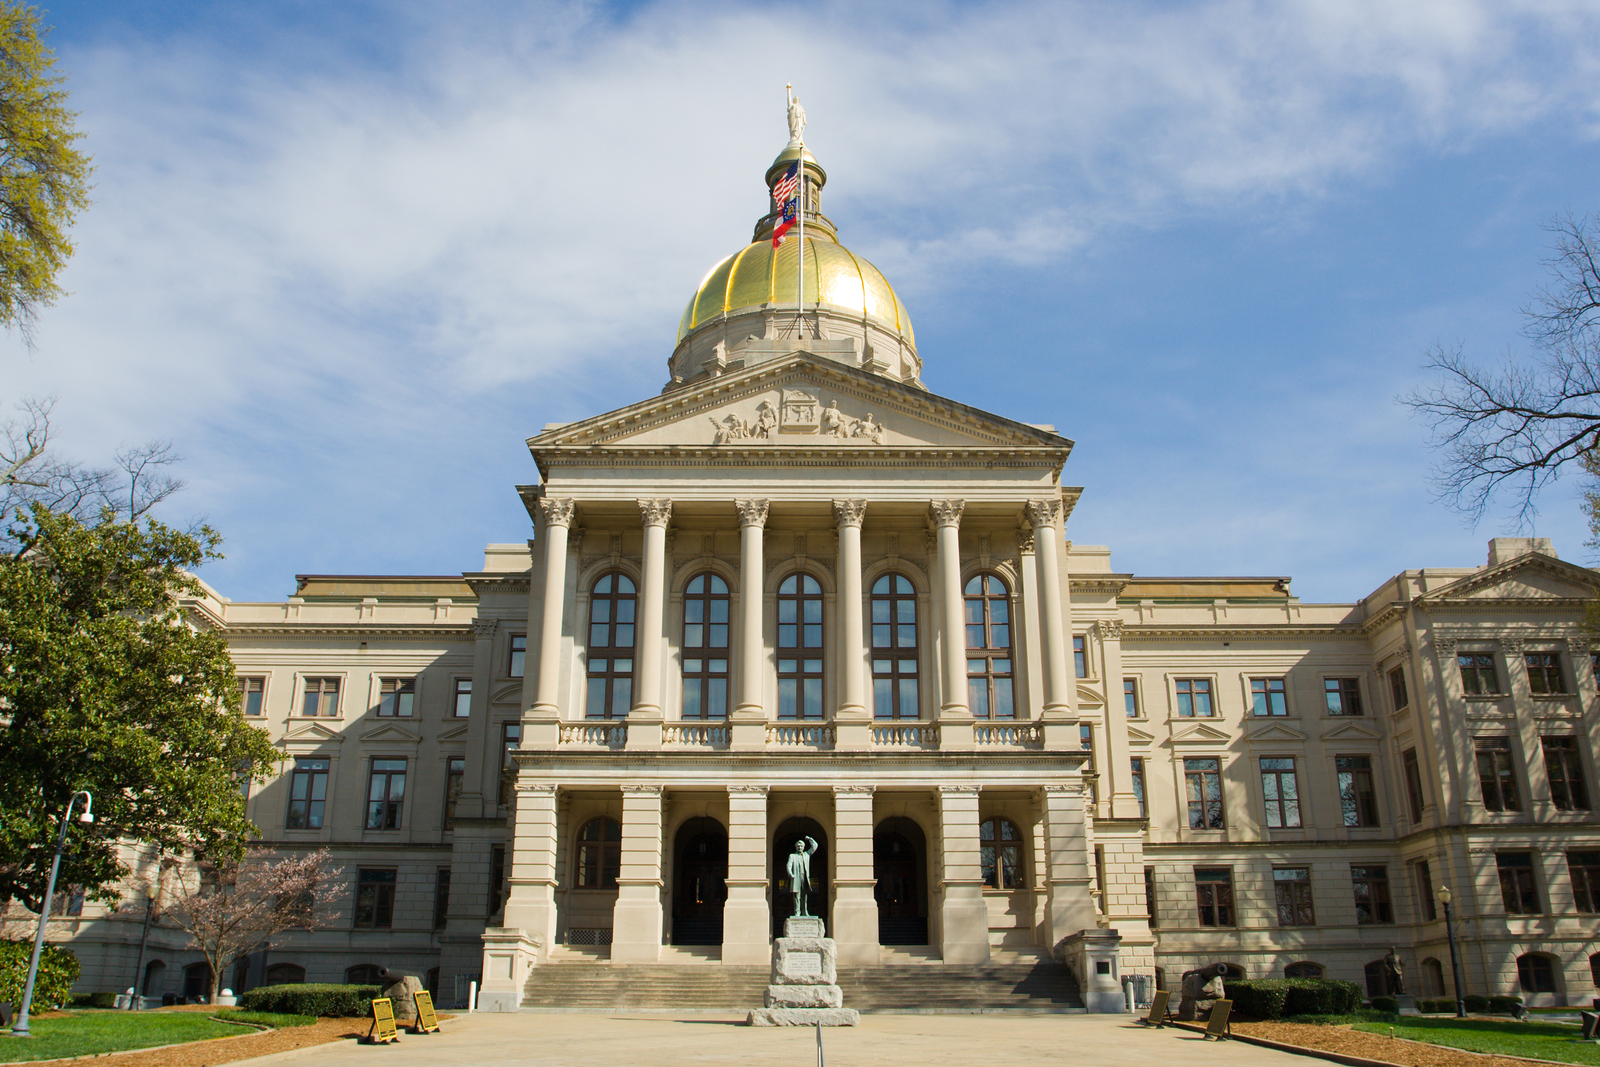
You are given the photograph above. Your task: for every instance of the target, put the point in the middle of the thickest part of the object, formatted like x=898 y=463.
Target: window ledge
x=1552 y=697
x=1486 y=696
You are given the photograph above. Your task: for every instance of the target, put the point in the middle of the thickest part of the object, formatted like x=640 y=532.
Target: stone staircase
x=1019 y=985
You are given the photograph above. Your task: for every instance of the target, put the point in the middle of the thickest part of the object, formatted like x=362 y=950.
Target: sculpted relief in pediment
x=799 y=413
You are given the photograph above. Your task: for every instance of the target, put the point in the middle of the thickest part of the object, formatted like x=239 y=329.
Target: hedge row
x=1478 y=1005
x=1274 y=998
x=311 y=999
x=58 y=969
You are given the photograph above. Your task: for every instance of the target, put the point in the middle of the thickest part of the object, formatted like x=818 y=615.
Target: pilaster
x=964 y=917
x=746 y=917
x=636 y=922
x=1069 y=907
x=855 y=907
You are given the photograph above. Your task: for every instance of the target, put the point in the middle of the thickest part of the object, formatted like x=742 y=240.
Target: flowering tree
x=228 y=910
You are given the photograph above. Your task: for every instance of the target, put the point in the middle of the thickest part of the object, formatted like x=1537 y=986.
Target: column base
x=508 y=955
x=636 y=924
x=855 y=924
x=644 y=728
x=746 y=925
x=964 y=918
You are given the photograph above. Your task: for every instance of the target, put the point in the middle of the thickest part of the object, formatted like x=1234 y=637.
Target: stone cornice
x=451 y=631
x=1135 y=632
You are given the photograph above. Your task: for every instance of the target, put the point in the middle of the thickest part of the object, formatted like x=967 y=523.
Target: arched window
x=894 y=649
x=1303 y=970
x=1377 y=975
x=705 y=648
x=1432 y=978
x=599 y=853
x=362 y=974
x=611 y=624
x=1000 y=850
x=799 y=648
x=1534 y=973
x=989 y=648
x=1594 y=968
x=286 y=974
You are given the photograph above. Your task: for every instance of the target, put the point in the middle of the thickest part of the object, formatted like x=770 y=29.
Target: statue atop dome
x=797 y=118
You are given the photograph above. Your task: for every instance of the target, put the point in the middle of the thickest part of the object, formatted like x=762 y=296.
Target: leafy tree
x=230 y=908
x=1517 y=427
x=43 y=178
x=111 y=681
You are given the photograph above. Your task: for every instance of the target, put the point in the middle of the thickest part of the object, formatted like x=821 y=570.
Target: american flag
x=784 y=191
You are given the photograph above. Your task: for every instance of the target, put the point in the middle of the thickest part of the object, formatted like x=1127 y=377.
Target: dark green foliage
x=58 y=969
x=1504 y=1005
x=1274 y=998
x=1388 y=1005
x=1432 y=1006
x=311 y=999
x=1476 y=1003
x=94 y=1000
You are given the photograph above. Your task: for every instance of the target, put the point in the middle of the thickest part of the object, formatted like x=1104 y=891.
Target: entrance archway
x=700 y=882
x=790 y=831
x=155 y=975
x=899 y=858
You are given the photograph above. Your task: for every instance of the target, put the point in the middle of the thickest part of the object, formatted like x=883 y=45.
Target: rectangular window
x=461 y=708
x=1150 y=896
x=1544 y=673
x=1413 y=772
x=1397 y=688
x=1267 y=697
x=1293 y=888
x=1342 y=695
x=399 y=697
x=1194 y=697
x=1086 y=742
x=519 y=655
x=1516 y=882
x=1358 y=800
x=1371 y=886
x=1496 y=779
x=497 y=877
x=386 y=794
x=68 y=901
x=1568 y=791
x=1080 y=658
x=1203 y=779
x=441 y=898
x=894 y=689
x=252 y=696
x=1213 y=889
x=1281 y=788
x=1585 y=870
x=308 y=794
x=800 y=688
x=1430 y=909
x=1478 y=677
x=375 y=898
x=510 y=741
x=321 y=698
x=455 y=773
x=1138 y=786
x=1130 y=697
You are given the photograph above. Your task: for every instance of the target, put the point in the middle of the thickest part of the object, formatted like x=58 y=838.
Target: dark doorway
x=790 y=831
x=155 y=973
x=196 y=982
x=899 y=856
x=700 y=884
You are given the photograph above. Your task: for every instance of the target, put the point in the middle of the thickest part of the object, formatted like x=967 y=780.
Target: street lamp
x=20 y=1028
x=1455 y=961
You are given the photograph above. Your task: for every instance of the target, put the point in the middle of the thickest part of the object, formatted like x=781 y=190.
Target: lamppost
x=20 y=1028
x=1455 y=961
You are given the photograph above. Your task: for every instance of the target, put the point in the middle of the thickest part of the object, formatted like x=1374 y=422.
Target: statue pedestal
x=1405 y=1004
x=804 y=988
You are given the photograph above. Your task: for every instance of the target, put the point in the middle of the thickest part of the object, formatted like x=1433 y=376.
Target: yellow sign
x=383 y=1030
x=427 y=1021
x=1217 y=1025
x=1158 y=1008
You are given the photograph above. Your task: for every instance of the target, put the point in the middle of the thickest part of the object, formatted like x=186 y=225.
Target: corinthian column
x=752 y=650
x=852 y=650
x=1043 y=515
x=644 y=718
x=946 y=515
x=557 y=515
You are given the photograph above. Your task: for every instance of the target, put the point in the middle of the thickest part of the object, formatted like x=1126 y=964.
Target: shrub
x=1440 y=1006
x=1476 y=1003
x=1388 y=1005
x=94 y=1000
x=58 y=969
x=1273 y=998
x=310 y=999
x=1504 y=1005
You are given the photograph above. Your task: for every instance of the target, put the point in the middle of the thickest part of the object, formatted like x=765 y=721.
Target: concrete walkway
x=622 y=1040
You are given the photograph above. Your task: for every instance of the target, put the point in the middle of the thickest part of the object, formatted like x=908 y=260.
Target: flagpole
x=800 y=205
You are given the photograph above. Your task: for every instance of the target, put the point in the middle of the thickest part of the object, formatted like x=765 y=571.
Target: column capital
x=557 y=510
x=946 y=512
x=1578 y=644
x=957 y=790
x=1043 y=513
x=538 y=789
x=1110 y=629
x=1025 y=541
x=484 y=629
x=852 y=790
x=1513 y=645
x=1444 y=646
x=849 y=512
x=656 y=512
x=748 y=790
x=1061 y=789
x=751 y=512
x=643 y=790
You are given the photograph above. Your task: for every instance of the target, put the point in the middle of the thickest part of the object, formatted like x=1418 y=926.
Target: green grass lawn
x=1543 y=1041
x=87 y=1033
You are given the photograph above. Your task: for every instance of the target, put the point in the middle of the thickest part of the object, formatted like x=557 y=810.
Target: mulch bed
x=1348 y=1042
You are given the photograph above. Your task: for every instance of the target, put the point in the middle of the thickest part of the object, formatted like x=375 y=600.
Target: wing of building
x=797 y=594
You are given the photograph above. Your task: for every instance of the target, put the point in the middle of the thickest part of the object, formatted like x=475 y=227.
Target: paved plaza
x=626 y=1040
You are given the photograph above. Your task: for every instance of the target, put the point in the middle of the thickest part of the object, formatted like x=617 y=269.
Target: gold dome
x=836 y=279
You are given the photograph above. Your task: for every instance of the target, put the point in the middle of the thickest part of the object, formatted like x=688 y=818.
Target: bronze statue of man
x=1396 y=968
x=800 y=875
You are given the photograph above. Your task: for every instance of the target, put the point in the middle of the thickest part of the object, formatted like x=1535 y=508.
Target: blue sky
x=349 y=256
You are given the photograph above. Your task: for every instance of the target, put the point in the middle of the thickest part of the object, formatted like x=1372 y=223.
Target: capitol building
x=799 y=594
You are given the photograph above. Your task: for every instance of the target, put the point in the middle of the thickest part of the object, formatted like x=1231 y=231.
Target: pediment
x=310 y=734
x=391 y=733
x=1140 y=737
x=1533 y=576
x=1200 y=734
x=454 y=733
x=1353 y=730
x=1089 y=698
x=801 y=401
x=1275 y=733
